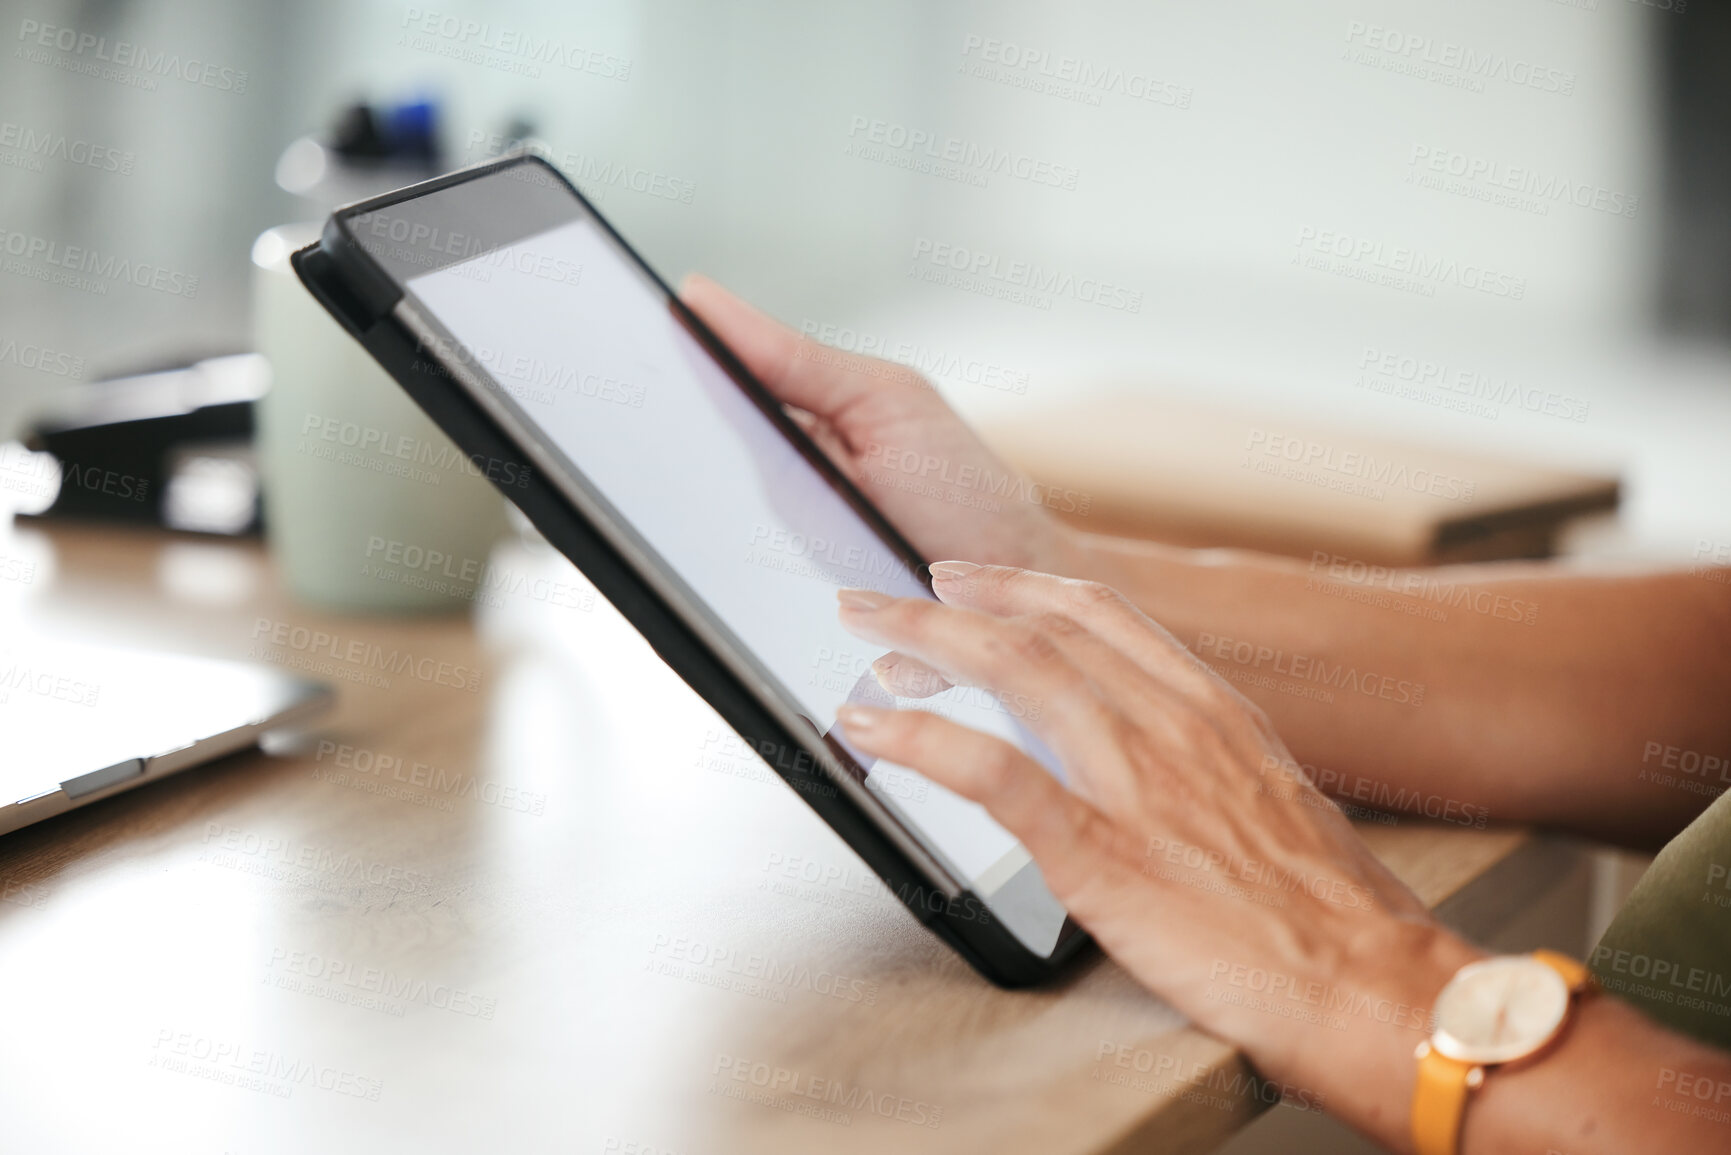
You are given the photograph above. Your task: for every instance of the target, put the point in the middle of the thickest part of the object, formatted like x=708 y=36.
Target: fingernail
x=884 y=664
x=863 y=599
x=857 y=719
x=952 y=570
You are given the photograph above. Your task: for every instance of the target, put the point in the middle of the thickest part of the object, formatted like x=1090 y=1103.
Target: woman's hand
x=1186 y=843
x=889 y=431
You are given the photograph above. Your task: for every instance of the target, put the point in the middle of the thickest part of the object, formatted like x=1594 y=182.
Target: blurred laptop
x=81 y=722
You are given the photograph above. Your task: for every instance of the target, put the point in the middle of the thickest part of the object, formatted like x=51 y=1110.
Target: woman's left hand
x=1186 y=843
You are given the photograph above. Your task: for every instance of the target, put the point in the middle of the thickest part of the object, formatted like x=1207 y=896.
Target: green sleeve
x=1668 y=951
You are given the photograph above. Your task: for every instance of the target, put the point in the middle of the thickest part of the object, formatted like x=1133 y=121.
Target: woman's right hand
x=889 y=431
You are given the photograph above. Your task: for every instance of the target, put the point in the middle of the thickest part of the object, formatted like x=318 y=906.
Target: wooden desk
x=554 y=914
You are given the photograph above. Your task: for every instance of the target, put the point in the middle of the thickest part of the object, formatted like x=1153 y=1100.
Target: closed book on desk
x=1194 y=475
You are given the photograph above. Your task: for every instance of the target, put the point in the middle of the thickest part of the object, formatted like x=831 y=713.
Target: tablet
x=571 y=376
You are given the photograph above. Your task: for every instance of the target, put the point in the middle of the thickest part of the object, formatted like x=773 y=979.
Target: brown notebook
x=1192 y=475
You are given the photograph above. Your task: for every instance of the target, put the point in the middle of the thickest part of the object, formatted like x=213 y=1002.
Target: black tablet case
x=343 y=279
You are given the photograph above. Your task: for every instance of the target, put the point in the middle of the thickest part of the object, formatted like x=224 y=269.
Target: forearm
x=1521 y=691
x=1269 y=924
x=1614 y=1082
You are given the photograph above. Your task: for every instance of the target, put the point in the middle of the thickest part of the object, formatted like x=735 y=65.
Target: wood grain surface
x=563 y=911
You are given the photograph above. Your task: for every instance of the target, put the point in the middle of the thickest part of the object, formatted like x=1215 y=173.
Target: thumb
x=796 y=370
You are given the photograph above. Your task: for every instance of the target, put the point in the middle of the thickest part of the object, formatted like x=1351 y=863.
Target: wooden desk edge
x=1477 y=893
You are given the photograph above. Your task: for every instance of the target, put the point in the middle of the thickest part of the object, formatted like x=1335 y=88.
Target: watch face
x=1500 y=1010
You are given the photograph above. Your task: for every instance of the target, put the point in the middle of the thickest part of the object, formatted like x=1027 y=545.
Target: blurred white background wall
x=1199 y=158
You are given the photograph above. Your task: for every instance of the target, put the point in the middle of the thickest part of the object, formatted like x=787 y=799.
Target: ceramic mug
x=368 y=506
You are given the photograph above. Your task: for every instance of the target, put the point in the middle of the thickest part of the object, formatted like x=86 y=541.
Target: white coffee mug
x=368 y=506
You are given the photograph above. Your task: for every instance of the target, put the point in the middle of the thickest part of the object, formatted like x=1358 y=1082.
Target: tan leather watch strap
x=1439 y=1096
x=1575 y=974
x=1439 y=1102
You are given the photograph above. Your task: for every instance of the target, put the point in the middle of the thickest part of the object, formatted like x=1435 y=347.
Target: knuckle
x=997 y=768
x=909 y=729
x=1216 y=695
x=1192 y=729
x=1031 y=647
x=1141 y=746
x=909 y=613
x=890 y=374
x=1086 y=595
x=1094 y=829
x=1055 y=625
x=921 y=397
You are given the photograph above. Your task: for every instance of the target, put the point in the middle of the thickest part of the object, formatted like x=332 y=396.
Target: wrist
x=1413 y=959
x=1361 y=1062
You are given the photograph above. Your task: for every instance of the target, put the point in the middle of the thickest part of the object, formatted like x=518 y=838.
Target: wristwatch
x=1495 y=1011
